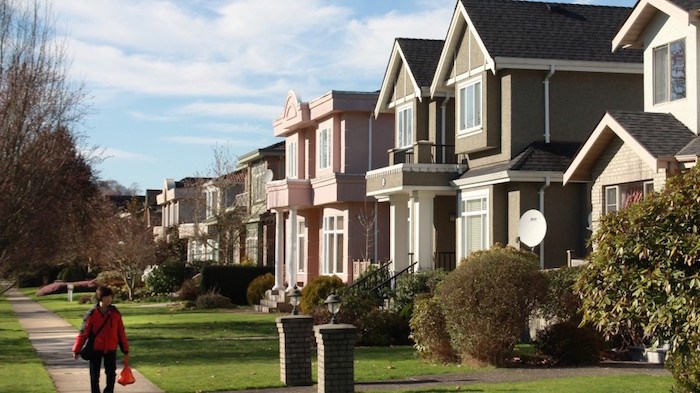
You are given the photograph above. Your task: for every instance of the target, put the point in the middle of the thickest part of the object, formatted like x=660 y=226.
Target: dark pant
x=110 y=370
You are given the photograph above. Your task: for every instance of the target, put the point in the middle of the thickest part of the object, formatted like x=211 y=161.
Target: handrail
x=393 y=278
x=372 y=275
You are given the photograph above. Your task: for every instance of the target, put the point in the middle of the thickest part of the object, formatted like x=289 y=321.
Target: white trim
x=622 y=37
x=466 y=75
x=484 y=213
x=568 y=65
x=605 y=198
x=475 y=129
x=399 y=112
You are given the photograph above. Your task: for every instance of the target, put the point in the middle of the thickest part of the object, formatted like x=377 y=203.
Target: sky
x=170 y=81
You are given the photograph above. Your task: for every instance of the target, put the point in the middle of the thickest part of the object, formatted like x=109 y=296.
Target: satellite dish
x=532 y=228
x=268 y=176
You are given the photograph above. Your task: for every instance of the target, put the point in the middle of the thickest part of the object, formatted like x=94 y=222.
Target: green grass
x=607 y=384
x=186 y=351
x=21 y=370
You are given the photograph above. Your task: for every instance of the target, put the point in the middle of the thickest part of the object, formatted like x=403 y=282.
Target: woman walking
x=104 y=321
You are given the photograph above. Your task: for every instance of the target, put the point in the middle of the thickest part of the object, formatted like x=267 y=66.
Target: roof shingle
x=661 y=134
x=687 y=5
x=422 y=57
x=526 y=29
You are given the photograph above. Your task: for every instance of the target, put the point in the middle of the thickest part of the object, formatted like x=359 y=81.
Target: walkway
x=52 y=338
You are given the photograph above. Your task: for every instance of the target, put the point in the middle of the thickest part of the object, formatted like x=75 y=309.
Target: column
x=292 y=265
x=295 y=333
x=336 y=358
x=399 y=231
x=423 y=233
x=279 y=251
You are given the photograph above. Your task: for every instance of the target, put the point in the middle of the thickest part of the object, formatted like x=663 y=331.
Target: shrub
x=258 y=287
x=85 y=299
x=316 y=292
x=685 y=367
x=561 y=303
x=110 y=279
x=569 y=345
x=383 y=328
x=166 y=278
x=188 y=290
x=412 y=285
x=429 y=330
x=487 y=301
x=213 y=300
x=72 y=272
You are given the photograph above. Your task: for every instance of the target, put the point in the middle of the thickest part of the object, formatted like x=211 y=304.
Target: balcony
x=425 y=152
x=242 y=199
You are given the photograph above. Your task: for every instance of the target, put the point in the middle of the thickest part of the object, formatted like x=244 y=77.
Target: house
x=178 y=201
x=259 y=167
x=221 y=223
x=521 y=84
x=323 y=218
x=632 y=153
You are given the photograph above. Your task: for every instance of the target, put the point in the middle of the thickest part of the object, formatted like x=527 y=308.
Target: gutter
x=541 y=195
x=546 y=103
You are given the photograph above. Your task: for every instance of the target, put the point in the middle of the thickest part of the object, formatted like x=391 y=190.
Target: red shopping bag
x=126 y=377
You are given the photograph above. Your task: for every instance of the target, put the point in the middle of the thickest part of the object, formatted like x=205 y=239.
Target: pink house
x=324 y=219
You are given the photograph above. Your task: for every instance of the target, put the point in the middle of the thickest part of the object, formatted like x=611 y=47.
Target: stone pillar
x=399 y=231
x=336 y=357
x=295 y=349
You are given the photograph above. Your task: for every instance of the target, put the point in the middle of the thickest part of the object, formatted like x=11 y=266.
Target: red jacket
x=111 y=335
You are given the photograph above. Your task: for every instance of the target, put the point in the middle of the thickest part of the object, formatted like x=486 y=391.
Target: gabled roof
x=507 y=30
x=538 y=157
x=276 y=149
x=655 y=137
x=420 y=57
x=629 y=35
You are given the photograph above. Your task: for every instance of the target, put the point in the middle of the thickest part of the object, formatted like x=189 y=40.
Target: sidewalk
x=52 y=338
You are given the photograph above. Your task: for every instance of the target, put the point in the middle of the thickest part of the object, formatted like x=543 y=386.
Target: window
x=333 y=228
x=324 y=148
x=622 y=195
x=669 y=72
x=475 y=221
x=404 y=119
x=301 y=246
x=212 y=202
x=251 y=244
x=258 y=186
x=292 y=160
x=470 y=106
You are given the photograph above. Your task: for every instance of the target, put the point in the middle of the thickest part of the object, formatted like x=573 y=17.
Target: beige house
x=630 y=154
x=518 y=85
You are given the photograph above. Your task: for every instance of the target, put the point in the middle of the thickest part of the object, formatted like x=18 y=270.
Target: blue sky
x=170 y=79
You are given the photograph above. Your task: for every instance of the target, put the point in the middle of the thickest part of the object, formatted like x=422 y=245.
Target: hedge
x=231 y=281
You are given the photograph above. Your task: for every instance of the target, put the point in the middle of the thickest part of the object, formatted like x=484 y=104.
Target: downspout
x=443 y=132
x=546 y=102
x=541 y=195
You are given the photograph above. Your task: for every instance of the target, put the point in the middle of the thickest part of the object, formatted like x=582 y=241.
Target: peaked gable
x=419 y=57
x=630 y=34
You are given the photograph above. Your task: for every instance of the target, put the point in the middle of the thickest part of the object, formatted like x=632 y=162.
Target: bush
x=110 y=279
x=72 y=272
x=685 y=367
x=258 y=287
x=166 y=278
x=412 y=285
x=561 y=303
x=213 y=300
x=86 y=299
x=569 y=345
x=487 y=301
x=189 y=290
x=232 y=281
x=383 y=328
x=429 y=330
x=316 y=292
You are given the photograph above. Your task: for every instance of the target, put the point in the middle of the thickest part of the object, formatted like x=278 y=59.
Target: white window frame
x=404 y=126
x=292 y=160
x=663 y=84
x=333 y=243
x=324 y=147
x=464 y=102
x=484 y=196
x=611 y=206
x=258 y=187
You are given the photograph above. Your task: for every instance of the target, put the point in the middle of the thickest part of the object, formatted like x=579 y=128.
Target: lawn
x=186 y=351
x=21 y=370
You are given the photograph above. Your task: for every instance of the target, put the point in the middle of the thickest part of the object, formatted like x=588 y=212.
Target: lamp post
x=333 y=303
x=294 y=299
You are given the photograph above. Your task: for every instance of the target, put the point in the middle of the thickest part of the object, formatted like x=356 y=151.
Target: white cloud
x=118 y=154
x=212 y=141
x=229 y=109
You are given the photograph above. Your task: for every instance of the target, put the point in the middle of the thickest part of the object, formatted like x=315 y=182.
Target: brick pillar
x=295 y=349
x=336 y=358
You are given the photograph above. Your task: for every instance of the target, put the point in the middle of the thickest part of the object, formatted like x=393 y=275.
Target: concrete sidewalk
x=52 y=338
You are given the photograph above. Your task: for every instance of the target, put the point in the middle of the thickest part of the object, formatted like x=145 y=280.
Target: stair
x=274 y=301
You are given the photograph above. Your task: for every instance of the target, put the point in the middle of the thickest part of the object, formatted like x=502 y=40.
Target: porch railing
x=445 y=260
x=424 y=152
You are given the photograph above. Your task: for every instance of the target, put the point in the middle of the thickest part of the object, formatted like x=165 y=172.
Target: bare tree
x=124 y=244
x=368 y=220
x=47 y=186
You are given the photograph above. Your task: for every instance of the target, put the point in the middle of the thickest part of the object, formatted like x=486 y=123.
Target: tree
x=125 y=244
x=643 y=277
x=47 y=185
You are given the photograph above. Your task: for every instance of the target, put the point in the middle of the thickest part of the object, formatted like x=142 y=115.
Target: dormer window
x=469 y=97
x=669 y=72
x=404 y=119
